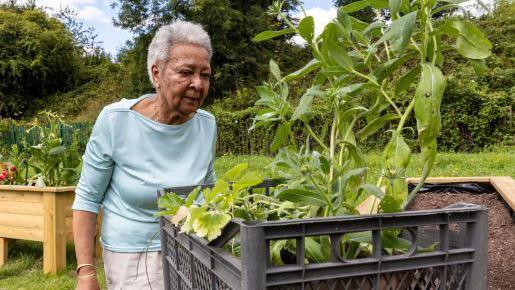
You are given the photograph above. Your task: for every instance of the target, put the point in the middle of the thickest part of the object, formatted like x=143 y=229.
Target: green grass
x=500 y=162
x=24 y=268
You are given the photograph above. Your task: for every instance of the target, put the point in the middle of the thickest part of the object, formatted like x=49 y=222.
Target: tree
x=237 y=61
x=37 y=58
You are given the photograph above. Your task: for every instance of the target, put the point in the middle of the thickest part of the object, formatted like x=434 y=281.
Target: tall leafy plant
x=357 y=67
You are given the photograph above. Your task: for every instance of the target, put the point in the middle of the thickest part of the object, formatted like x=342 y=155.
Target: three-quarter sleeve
x=97 y=166
x=210 y=176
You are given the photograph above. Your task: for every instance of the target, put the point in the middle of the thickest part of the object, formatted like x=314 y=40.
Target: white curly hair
x=171 y=34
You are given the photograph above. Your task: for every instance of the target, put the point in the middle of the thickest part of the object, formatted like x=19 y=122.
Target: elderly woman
x=137 y=147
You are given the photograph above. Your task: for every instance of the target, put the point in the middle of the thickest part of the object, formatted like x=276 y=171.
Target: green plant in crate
x=206 y=212
x=53 y=163
x=356 y=66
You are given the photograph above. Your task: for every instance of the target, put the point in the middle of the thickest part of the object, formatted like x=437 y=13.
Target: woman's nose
x=196 y=82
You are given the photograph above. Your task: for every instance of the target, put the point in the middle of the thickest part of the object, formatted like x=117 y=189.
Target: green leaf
x=479 y=66
x=235 y=172
x=194 y=213
x=280 y=137
x=170 y=202
x=57 y=150
x=325 y=165
x=339 y=55
x=399 y=33
x=355 y=6
x=221 y=186
x=304 y=106
x=275 y=70
x=376 y=124
x=265 y=35
x=406 y=80
x=165 y=213
x=373 y=27
x=389 y=239
x=302 y=196
x=307 y=28
x=378 y=4
x=192 y=196
x=453 y=1
x=372 y=189
x=275 y=252
x=252 y=178
x=471 y=42
x=389 y=204
x=397 y=153
x=386 y=69
x=309 y=67
x=314 y=251
x=428 y=98
x=210 y=225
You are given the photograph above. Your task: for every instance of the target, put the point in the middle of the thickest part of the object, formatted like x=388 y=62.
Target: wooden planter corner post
x=39 y=214
x=54 y=236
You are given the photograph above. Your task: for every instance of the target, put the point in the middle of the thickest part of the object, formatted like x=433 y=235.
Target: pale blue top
x=128 y=158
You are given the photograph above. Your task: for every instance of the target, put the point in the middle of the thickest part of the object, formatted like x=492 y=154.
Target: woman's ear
x=155 y=75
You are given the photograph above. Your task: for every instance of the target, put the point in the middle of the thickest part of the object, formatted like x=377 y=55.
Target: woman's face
x=183 y=82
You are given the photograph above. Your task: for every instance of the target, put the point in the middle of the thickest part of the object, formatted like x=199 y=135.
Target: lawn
x=24 y=269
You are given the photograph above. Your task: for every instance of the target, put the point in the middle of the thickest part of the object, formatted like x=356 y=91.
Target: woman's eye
x=185 y=72
x=205 y=76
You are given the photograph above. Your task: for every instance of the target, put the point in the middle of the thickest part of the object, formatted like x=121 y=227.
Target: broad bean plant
x=359 y=70
x=358 y=73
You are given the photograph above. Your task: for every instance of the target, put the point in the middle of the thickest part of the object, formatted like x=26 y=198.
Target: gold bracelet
x=83 y=265
x=86 y=276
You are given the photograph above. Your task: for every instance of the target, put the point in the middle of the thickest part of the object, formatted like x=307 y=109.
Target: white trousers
x=138 y=271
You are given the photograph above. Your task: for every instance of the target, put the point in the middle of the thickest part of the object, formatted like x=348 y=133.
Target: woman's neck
x=158 y=110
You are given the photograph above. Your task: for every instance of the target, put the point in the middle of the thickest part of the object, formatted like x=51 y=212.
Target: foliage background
x=79 y=79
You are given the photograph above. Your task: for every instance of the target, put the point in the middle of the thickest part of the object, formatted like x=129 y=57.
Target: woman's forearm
x=84 y=229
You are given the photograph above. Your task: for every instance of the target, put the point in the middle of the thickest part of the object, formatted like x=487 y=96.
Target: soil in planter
x=501 y=232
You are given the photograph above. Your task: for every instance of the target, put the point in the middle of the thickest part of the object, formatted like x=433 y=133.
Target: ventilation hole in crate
x=399 y=241
x=184 y=262
x=233 y=246
x=170 y=247
x=352 y=246
x=283 y=252
x=425 y=278
x=456 y=276
x=202 y=276
x=457 y=238
x=174 y=278
x=220 y=285
x=317 y=249
x=428 y=238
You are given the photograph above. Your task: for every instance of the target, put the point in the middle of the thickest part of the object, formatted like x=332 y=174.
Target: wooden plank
x=450 y=179
x=21 y=233
x=23 y=188
x=505 y=186
x=21 y=220
x=21 y=207
x=54 y=243
x=21 y=196
x=4 y=250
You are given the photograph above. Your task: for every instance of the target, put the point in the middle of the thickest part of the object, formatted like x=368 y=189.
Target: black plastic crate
x=459 y=262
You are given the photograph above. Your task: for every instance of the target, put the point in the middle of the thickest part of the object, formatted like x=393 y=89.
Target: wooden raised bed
x=504 y=185
x=41 y=214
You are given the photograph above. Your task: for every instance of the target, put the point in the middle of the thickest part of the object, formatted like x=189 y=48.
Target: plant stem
x=314 y=136
x=327 y=200
x=405 y=116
